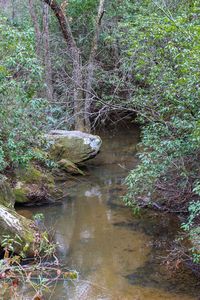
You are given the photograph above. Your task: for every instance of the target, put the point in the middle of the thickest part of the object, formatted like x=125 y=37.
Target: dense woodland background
x=85 y=64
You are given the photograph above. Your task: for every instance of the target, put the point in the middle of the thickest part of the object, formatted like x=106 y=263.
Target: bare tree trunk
x=91 y=66
x=13 y=11
x=47 y=56
x=78 y=90
x=74 y=52
x=38 y=34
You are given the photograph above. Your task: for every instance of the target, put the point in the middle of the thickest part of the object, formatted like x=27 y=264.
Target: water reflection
x=114 y=252
x=94 y=191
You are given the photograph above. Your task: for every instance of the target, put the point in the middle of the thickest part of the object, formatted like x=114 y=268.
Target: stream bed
x=117 y=255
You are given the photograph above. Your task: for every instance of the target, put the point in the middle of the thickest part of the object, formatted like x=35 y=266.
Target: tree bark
x=13 y=11
x=75 y=55
x=47 y=56
x=38 y=34
x=91 y=66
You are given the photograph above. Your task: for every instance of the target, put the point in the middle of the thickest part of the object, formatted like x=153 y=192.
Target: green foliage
x=194 y=212
x=8 y=243
x=191 y=226
x=79 y=8
x=39 y=217
x=37 y=276
x=21 y=112
x=165 y=69
x=161 y=49
x=82 y=16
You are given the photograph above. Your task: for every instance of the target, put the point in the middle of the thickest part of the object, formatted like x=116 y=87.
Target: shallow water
x=115 y=253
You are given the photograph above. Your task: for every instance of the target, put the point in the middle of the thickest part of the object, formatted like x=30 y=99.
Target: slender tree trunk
x=13 y=11
x=78 y=90
x=38 y=34
x=91 y=66
x=75 y=55
x=47 y=56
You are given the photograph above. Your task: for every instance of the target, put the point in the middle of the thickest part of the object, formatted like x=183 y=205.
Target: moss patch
x=35 y=186
x=7 y=197
x=20 y=193
x=69 y=167
x=32 y=174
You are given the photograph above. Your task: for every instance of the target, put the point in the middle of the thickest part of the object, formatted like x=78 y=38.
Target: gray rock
x=75 y=146
x=20 y=232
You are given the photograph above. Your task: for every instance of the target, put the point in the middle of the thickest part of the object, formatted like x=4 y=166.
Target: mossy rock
x=69 y=167
x=33 y=174
x=21 y=193
x=7 y=197
x=21 y=234
x=35 y=186
x=19 y=231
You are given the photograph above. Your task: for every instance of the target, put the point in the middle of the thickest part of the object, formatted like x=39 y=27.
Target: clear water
x=115 y=253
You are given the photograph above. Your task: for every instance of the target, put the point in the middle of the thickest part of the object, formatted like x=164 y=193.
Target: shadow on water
x=153 y=274
x=115 y=253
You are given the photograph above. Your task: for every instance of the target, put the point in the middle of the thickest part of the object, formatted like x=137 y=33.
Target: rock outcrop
x=35 y=186
x=74 y=146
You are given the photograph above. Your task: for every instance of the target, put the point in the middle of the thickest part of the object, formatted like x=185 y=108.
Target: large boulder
x=18 y=233
x=74 y=146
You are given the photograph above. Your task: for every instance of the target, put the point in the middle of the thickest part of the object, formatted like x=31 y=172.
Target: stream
x=117 y=254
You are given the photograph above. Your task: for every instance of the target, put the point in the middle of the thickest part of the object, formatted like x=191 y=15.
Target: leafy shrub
x=162 y=50
x=22 y=113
